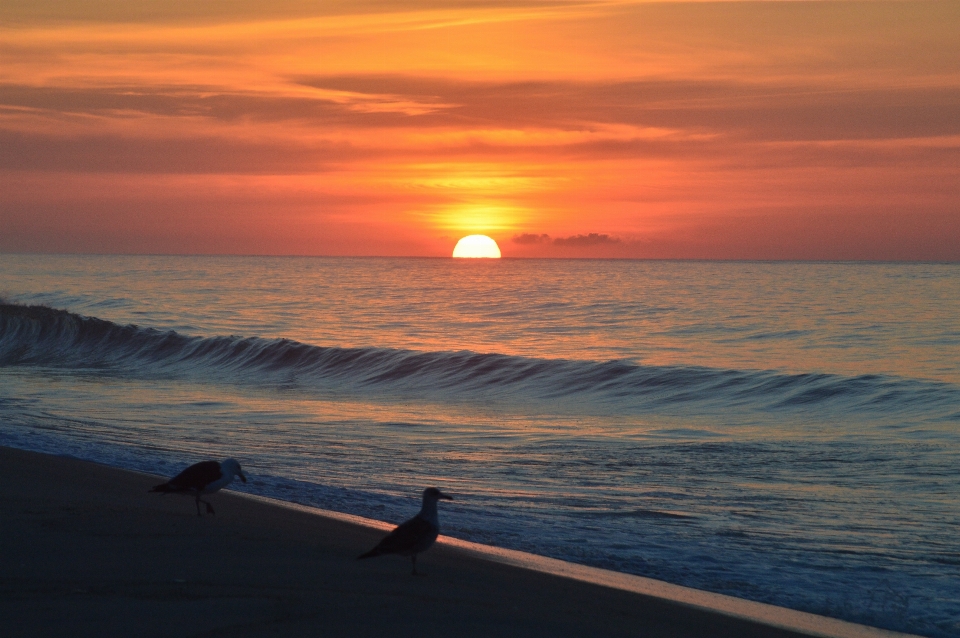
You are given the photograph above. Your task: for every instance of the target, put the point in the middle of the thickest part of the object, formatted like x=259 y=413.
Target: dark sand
x=86 y=551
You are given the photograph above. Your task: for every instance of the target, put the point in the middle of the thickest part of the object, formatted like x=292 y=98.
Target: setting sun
x=477 y=246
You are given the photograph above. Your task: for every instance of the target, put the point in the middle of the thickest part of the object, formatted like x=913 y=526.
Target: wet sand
x=86 y=551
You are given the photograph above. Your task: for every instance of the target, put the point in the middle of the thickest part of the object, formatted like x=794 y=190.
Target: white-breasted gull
x=415 y=535
x=205 y=477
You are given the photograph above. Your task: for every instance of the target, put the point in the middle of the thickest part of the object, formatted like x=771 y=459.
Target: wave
x=40 y=336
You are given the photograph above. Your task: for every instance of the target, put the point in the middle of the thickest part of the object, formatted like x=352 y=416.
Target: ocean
x=782 y=432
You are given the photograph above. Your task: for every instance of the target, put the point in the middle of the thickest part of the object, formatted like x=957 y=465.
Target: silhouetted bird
x=206 y=477
x=417 y=534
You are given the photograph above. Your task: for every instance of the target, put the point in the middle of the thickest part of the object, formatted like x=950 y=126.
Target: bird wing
x=196 y=476
x=408 y=536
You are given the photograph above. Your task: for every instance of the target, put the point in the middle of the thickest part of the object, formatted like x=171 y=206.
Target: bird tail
x=373 y=552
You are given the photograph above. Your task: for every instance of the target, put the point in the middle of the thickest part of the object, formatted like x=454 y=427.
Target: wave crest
x=40 y=336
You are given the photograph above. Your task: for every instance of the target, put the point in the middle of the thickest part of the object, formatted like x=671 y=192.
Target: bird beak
x=242 y=477
x=445 y=496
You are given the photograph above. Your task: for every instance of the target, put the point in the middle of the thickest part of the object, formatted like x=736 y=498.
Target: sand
x=86 y=551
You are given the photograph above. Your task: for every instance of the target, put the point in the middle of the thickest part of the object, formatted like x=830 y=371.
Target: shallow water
x=776 y=431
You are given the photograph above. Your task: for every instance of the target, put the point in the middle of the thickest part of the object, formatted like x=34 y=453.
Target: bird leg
x=209 y=506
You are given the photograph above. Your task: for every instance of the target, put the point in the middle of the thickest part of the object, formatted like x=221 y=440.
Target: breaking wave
x=40 y=336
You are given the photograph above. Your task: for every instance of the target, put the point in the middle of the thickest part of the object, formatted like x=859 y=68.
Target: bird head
x=433 y=494
x=231 y=467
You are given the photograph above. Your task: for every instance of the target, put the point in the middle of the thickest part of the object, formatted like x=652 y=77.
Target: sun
x=477 y=246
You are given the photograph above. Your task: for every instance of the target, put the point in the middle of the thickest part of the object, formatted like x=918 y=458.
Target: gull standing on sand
x=205 y=477
x=417 y=534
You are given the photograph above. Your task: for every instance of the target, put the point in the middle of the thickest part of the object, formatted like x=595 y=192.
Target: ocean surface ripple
x=787 y=433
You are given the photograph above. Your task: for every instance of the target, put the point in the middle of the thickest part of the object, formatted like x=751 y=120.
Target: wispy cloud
x=653 y=121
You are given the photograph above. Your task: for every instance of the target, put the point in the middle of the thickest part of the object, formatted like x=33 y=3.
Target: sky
x=708 y=130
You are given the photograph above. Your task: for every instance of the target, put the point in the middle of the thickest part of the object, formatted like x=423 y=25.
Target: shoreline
x=805 y=623
x=84 y=550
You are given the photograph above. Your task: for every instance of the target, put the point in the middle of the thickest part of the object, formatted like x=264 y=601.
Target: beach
x=87 y=551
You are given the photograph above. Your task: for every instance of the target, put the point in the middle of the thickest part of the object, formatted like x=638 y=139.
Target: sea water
x=783 y=432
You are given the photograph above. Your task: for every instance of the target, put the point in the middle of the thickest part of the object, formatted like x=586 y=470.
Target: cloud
x=388 y=116
x=644 y=114
x=770 y=109
x=526 y=239
x=202 y=154
x=581 y=241
x=574 y=241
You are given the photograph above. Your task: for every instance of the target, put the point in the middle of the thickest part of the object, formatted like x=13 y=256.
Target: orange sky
x=757 y=130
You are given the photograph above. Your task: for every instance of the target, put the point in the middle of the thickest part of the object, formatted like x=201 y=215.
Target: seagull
x=206 y=477
x=417 y=534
